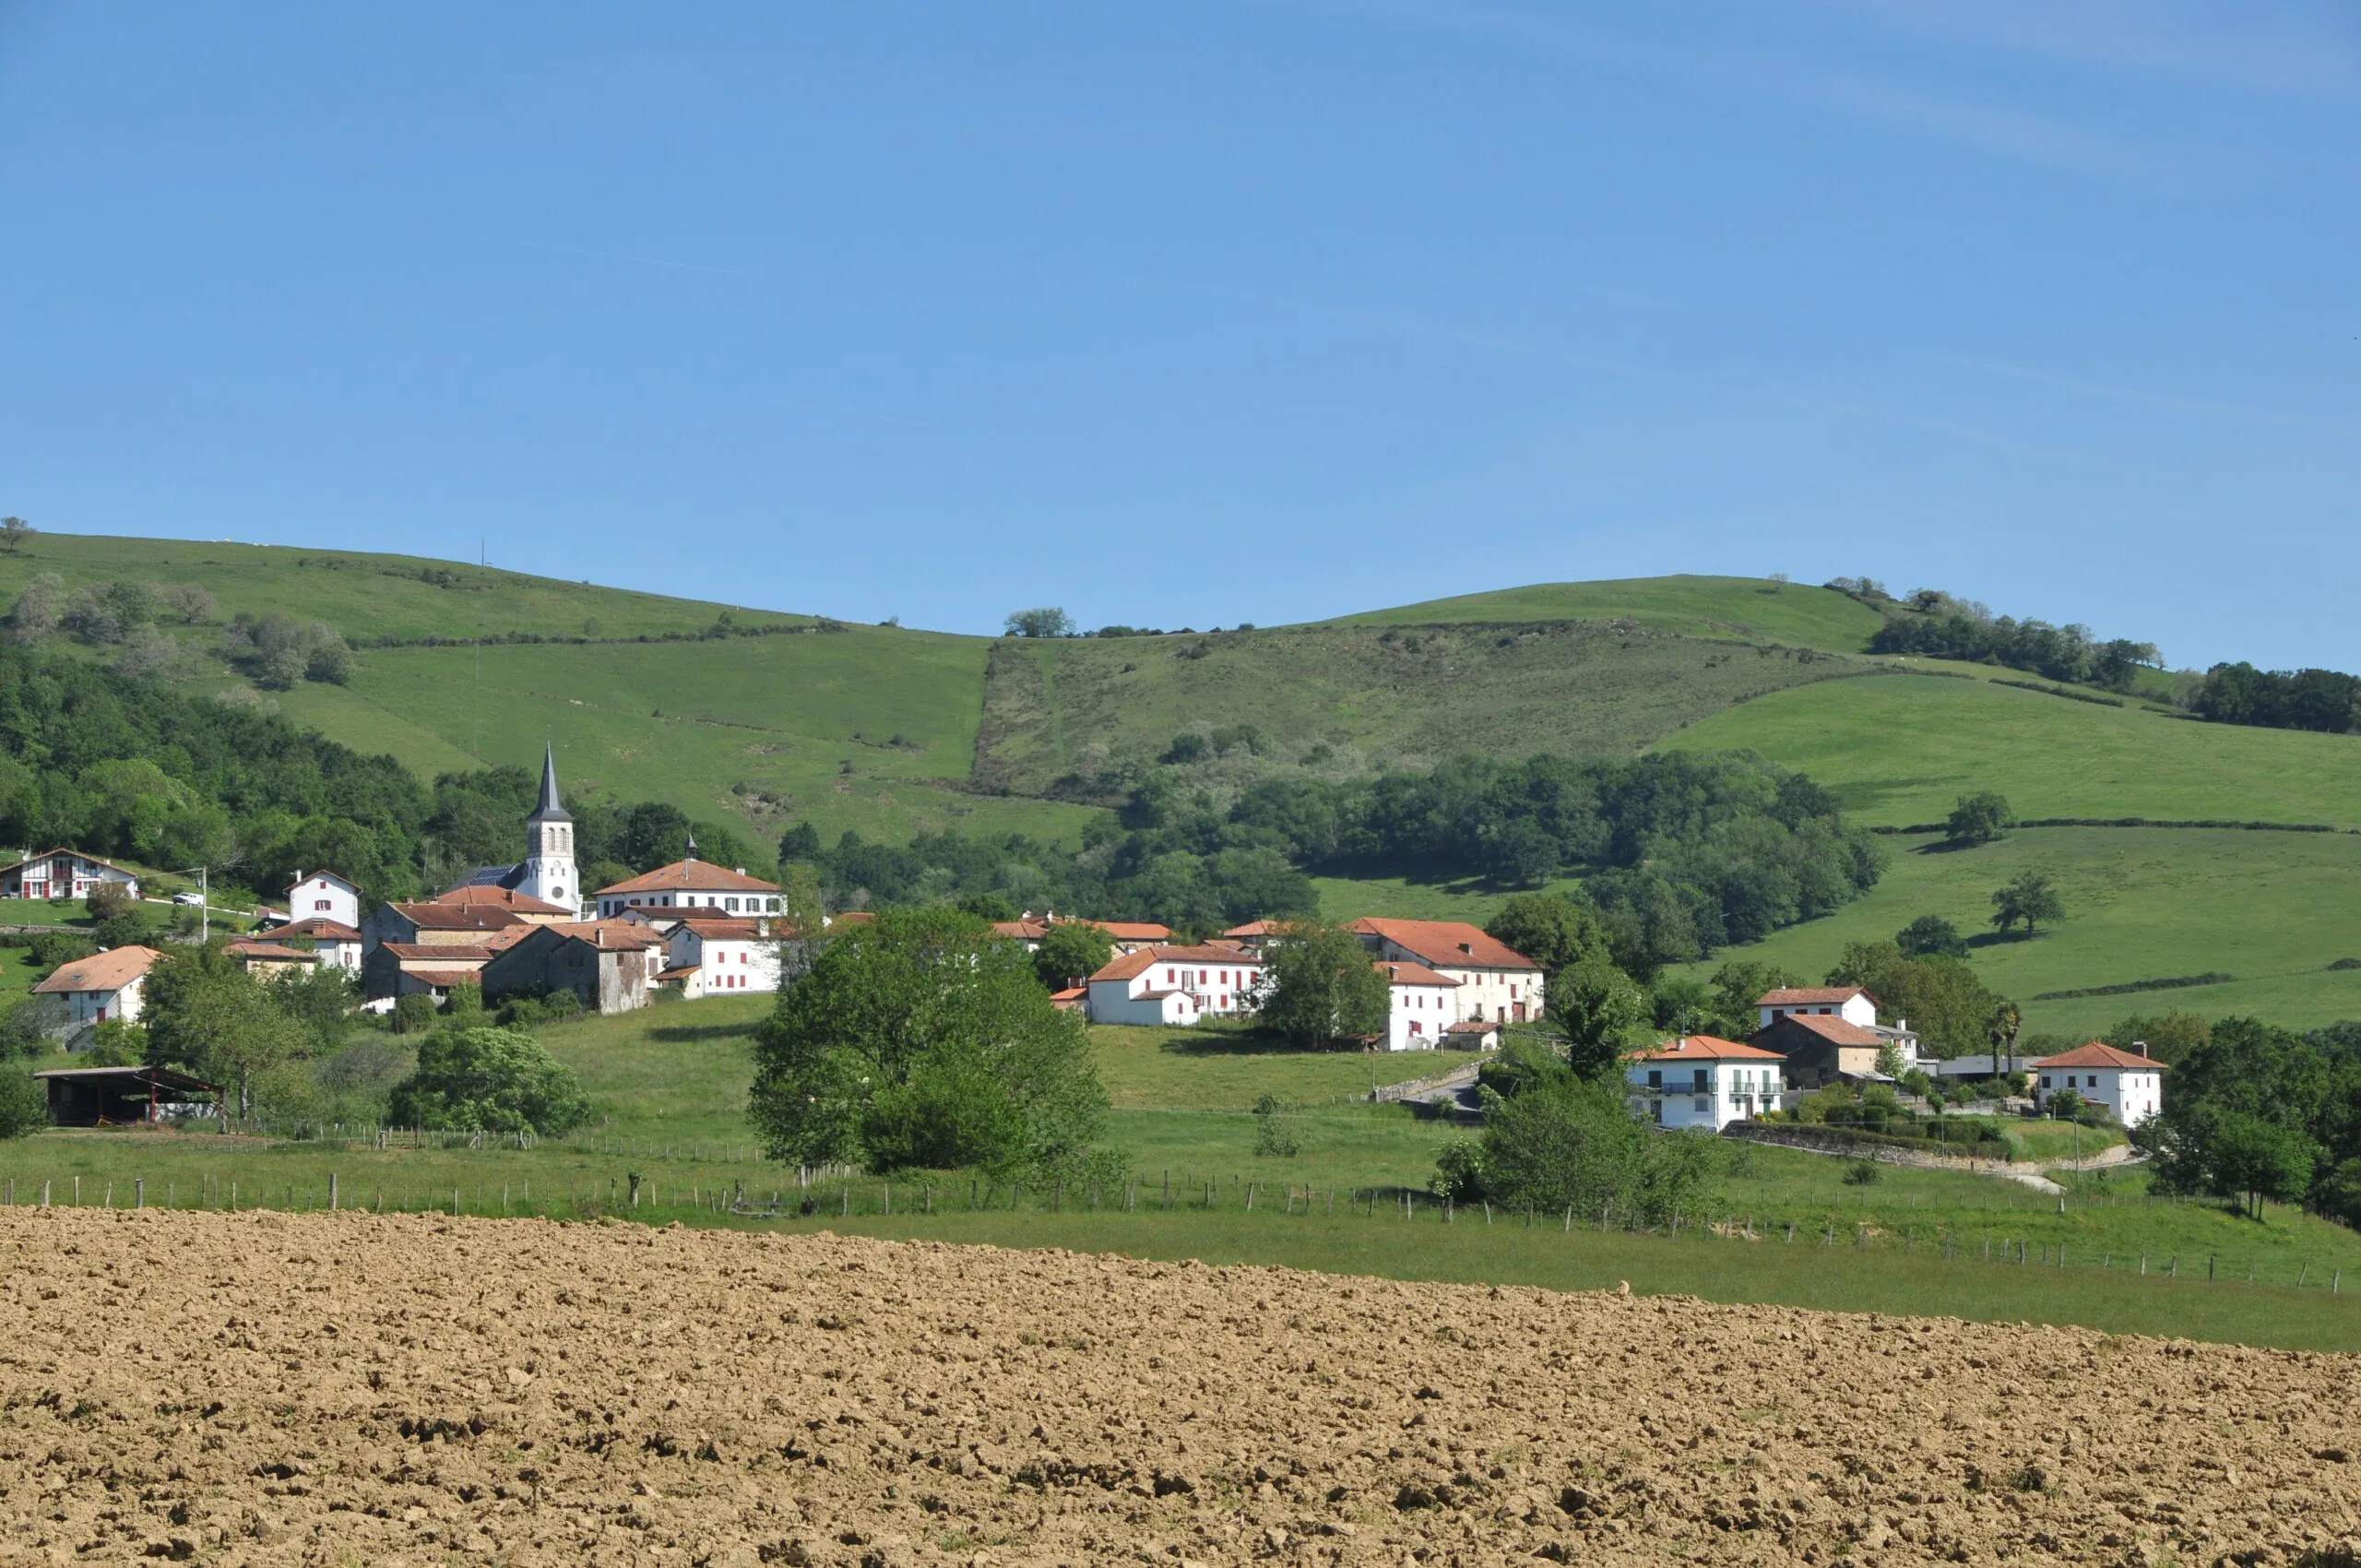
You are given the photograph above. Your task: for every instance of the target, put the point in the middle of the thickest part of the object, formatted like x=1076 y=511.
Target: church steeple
x=550 y=809
x=547 y=872
x=691 y=852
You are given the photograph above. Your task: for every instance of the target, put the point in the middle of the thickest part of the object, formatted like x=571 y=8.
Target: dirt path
x=2029 y=1172
x=341 y=1388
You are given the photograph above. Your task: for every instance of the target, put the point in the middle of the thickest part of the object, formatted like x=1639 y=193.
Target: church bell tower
x=549 y=846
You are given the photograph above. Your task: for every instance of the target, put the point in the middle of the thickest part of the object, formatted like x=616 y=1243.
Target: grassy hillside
x=867 y=728
x=1746 y=609
x=2272 y=909
x=891 y=733
x=1055 y=710
x=1902 y=749
x=368 y=596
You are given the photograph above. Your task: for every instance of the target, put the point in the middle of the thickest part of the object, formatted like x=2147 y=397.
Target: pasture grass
x=1341 y=699
x=363 y=594
x=1747 y=609
x=2272 y=909
x=1903 y=748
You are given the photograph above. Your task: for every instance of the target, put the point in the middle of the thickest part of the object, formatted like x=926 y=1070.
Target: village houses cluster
x=529 y=930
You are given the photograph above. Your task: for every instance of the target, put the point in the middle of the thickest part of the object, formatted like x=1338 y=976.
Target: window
x=1704 y=1106
x=2045 y=1080
x=1655 y=1079
x=319 y=903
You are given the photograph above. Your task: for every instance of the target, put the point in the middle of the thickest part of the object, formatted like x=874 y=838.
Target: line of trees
x=1681 y=854
x=2324 y=700
x=1934 y=625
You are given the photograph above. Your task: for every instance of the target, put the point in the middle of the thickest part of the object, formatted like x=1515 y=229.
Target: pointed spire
x=550 y=809
x=691 y=853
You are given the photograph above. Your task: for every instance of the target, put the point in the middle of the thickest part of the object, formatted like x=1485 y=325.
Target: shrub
x=1278 y=1129
x=413 y=1014
x=24 y=1103
x=1860 y=1172
x=109 y=900
x=499 y=1080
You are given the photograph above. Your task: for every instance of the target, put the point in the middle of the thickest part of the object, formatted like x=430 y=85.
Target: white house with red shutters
x=323 y=895
x=1497 y=983
x=1424 y=1005
x=725 y=956
x=1176 y=985
x=1699 y=1081
x=62 y=874
x=691 y=884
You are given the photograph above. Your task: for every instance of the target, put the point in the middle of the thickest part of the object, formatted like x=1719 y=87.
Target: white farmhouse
x=1699 y=1081
x=62 y=874
x=1425 y=1005
x=104 y=986
x=717 y=957
x=1496 y=983
x=1175 y=985
x=323 y=895
x=691 y=884
x=335 y=943
x=1850 y=1002
x=2130 y=1085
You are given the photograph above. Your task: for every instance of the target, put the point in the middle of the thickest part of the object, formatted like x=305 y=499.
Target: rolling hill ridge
x=766 y=719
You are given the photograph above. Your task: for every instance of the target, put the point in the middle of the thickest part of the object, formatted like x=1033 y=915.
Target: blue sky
x=1195 y=314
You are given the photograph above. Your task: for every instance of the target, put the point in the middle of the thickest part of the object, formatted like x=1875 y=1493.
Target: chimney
x=2140 y=1046
x=742 y=871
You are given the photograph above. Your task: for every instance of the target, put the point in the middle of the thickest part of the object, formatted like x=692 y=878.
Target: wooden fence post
x=333 y=1192
x=139 y=1192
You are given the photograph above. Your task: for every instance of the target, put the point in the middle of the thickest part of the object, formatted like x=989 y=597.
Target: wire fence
x=835 y=1192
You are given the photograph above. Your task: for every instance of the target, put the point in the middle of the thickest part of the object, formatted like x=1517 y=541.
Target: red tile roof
x=2099 y=1055
x=1832 y=1028
x=1812 y=996
x=272 y=952
x=498 y=898
x=611 y=935
x=1707 y=1048
x=434 y=915
x=1399 y=973
x=729 y=928
x=317 y=929
x=1132 y=931
x=445 y=977
x=691 y=876
x=1132 y=963
x=1447 y=943
x=437 y=952
x=1020 y=931
x=110 y=970
x=1251 y=928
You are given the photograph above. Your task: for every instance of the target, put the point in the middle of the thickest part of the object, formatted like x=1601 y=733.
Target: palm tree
x=2001 y=1030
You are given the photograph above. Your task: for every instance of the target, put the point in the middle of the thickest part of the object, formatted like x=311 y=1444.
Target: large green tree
x=2028 y=899
x=204 y=1012
x=2240 y=1113
x=1554 y=929
x=489 y=1078
x=1322 y=985
x=1603 y=1011
x=1567 y=1142
x=921 y=1041
x=1978 y=819
x=1941 y=999
x=1071 y=951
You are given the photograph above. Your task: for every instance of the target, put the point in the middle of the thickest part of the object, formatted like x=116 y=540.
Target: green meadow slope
x=891 y=733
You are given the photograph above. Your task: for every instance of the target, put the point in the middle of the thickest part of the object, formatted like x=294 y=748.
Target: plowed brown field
x=346 y=1388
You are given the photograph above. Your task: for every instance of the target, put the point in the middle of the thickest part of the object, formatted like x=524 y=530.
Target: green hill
x=1743 y=609
x=775 y=718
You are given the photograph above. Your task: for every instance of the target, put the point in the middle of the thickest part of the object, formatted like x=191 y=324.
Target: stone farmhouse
x=610 y=964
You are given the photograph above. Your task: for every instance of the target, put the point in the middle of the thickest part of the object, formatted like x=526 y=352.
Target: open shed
x=108 y=1097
